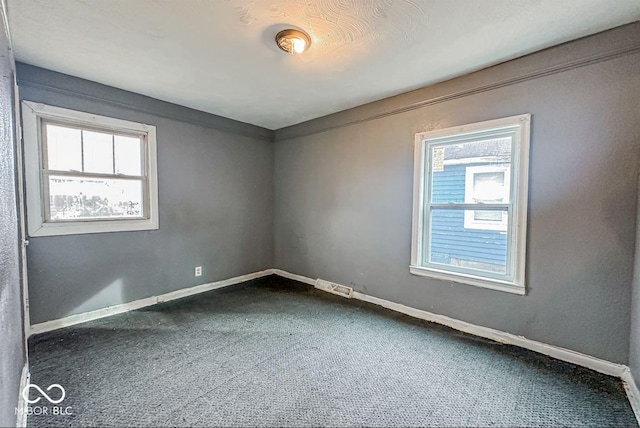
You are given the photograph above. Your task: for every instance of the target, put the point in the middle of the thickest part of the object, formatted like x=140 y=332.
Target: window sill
x=492 y=284
x=78 y=228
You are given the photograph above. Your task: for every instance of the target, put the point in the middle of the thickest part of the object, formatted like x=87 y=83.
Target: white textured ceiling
x=219 y=56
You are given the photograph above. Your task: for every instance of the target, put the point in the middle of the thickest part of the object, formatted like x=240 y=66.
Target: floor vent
x=334 y=288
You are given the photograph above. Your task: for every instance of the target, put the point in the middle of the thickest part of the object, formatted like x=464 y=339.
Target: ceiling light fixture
x=293 y=42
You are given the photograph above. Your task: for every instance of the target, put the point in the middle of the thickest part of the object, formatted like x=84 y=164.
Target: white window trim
x=32 y=115
x=519 y=194
x=469 y=220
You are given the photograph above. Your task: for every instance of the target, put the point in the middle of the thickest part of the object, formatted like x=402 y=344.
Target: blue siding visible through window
x=449 y=238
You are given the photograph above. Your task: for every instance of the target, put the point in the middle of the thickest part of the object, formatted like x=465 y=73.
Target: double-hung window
x=470 y=204
x=87 y=173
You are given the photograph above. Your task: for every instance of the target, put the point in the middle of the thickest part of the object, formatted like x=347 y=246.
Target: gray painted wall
x=634 y=338
x=12 y=353
x=344 y=193
x=215 y=180
x=343 y=189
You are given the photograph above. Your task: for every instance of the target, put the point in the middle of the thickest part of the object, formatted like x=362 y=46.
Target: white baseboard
x=597 y=364
x=632 y=392
x=295 y=277
x=563 y=354
x=21 y=421
x=137 y=304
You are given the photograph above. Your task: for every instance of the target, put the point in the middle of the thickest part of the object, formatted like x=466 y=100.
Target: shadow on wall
x=113 y=292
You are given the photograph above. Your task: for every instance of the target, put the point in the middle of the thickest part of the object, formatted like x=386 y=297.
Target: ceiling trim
x=53 y=81
x=403 y=102
x=605 y=46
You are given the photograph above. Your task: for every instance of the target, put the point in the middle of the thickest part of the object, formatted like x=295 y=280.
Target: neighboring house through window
x=470 y=203
x=87 y=173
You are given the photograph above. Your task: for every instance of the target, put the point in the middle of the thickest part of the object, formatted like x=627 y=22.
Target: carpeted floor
x=274 y=352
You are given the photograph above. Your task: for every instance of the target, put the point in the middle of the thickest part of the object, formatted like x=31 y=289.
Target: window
x=470 y=204
x=87 y=173
x=486 y=185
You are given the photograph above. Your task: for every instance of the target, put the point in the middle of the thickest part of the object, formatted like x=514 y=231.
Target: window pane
x=449 y=165
x=64 y=151
x=486 y=215
x=127 y=155
x=488 y=188
x=97 y=152
x=73 y=198
x=472 y=249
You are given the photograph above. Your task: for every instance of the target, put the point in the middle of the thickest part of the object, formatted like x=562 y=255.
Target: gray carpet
x=274 y=352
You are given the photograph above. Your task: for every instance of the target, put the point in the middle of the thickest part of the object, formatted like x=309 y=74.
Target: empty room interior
x=326 y=213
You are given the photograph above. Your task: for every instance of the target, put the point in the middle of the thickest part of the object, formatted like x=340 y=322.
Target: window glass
x=453 y=245
x=449 y=163
x=77 y=198
x=84 y=196
x=128 y=155
x=64 y=148
x=97 y=152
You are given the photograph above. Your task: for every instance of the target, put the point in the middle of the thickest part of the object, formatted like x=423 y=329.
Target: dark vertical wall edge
x=634 y=338
x=12 y=352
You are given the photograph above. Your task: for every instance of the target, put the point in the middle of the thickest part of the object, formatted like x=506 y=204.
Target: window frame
x=517 y=126
x=35 y=116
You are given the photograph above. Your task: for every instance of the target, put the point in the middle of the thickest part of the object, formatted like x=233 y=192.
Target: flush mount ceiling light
x=293 y=42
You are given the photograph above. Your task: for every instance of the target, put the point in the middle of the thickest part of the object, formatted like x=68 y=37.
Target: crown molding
x=606 y=46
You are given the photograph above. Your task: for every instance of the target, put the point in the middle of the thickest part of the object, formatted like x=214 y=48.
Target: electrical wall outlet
x=198 y=270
